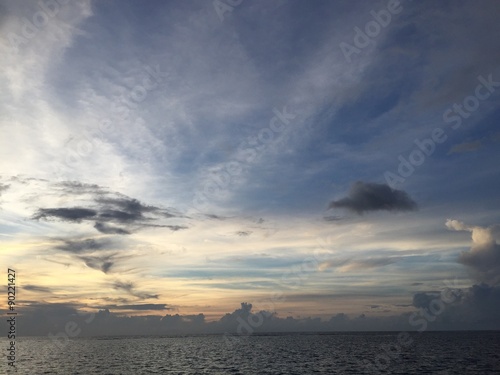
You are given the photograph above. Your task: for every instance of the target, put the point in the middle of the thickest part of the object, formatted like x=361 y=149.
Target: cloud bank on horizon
x=335 y=163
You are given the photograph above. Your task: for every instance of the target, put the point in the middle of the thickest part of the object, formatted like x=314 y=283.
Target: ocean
x=328 y=353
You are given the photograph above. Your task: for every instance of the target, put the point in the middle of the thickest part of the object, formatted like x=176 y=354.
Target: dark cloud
x=470 y=308
x=98 y=262
x=112 y=213
x=130 y=289
x=367 y=196
x=423 y=299
x=97 y=253
x=243 y=233
x=85 y=245
x=109 y=229
x=72 y=214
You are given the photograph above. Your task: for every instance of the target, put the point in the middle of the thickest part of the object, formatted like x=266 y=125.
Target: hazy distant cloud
x=140 y=307
x=465 y=147
x=3 y=187
x=484 y=256
x=36 y=288
x=423 y=299
x=346 y=265
x=85 y=245
x=332 y=218
x=76 y=187
x=242 y=233
x=355 y=265
x=175 y=228
x=215 y=217
x=470 y=308
x=368 y=196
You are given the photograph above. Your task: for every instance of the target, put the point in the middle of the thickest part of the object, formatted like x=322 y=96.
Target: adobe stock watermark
x=246 y=153
x=71 y=330
x=454 y=116
x=294 y=277
x=391 y=352
x=225 y=6
x=31 y=28
x=120 y=111
x=363 y=37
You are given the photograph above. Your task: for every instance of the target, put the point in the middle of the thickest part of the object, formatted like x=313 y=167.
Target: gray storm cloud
x=367 y=196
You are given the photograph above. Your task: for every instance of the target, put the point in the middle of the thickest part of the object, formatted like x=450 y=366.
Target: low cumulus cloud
x=483 y=258
x=470 y=308
x=367 y=196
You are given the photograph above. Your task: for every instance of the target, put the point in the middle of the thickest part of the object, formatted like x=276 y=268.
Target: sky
x=246 y=166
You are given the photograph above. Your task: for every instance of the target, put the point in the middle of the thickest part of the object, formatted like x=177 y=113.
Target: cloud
x=140 y=307
x=36 y=288
x=85 y=245
x=475 y=307
x=483 y=258
x=175 y=228
x=106 y=208
x=77 y=187
x=3 y=187
x=465 y=147
x=346 y=265
x=355 y=265
x=108 y=229
x=332 y=218
x=130 y=289
x=367 y=196
x=96 y=253
x=72 y=214
x=98 y=262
